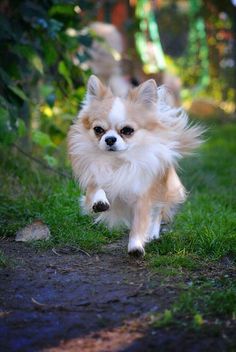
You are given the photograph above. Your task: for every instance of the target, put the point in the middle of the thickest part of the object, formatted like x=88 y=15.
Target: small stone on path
x=33 y=232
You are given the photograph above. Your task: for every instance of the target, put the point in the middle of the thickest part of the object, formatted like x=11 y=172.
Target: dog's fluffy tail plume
x=185 y=136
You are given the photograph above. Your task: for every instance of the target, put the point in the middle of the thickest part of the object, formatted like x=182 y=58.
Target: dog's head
x=117 y=124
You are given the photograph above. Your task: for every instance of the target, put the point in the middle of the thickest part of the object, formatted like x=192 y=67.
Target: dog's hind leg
x=154 y=229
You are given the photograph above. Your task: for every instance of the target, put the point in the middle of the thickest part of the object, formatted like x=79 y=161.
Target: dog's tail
x=185 y=136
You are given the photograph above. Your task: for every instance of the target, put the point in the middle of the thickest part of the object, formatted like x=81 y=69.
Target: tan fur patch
x=103 y=91
x=141 y=116
x=141 y=220
x=89 y=194
x=99 y=110
x=168 y=191
x=86 y=122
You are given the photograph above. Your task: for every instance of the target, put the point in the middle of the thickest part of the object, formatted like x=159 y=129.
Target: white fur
x=123 y=175
x=100 y=196
x=117 y=114
x=135 y=244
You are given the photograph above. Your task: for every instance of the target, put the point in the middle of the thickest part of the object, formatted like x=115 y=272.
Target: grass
x=205 y=227
x=30 y=193
x=207 y=303
x=204 y=231
x=213 y=298
x=3 y=260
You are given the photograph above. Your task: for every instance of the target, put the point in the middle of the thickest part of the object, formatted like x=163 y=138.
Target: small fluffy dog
x=124 y=152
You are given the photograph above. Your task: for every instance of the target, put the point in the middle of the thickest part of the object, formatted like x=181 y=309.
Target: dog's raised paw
x=100 y=206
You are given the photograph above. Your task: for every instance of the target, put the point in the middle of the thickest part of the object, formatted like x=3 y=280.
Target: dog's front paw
x=100 y=202
x=135 y=248
x=100 y=206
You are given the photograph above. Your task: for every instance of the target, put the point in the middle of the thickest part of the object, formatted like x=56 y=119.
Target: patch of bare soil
x=64 y=301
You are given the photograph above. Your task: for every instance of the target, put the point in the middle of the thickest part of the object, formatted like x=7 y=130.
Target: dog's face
x=118 y=124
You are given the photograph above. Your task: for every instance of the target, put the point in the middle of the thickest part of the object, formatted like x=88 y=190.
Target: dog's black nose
x=110 y=140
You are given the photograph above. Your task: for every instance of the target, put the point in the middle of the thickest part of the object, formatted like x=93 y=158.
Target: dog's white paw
x=100 y=202
x=135 y=248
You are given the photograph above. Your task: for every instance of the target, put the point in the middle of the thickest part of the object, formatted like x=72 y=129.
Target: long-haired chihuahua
x=124 y=153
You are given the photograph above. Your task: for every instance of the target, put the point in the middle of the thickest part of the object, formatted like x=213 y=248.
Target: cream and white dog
x=124 y=152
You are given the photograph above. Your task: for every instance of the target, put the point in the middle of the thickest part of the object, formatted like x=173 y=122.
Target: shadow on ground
x=74 y=302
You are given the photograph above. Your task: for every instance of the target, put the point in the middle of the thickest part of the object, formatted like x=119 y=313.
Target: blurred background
x=48 y=49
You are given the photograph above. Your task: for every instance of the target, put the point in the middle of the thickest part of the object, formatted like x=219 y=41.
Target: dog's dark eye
x=98 y=130
x=127 y=131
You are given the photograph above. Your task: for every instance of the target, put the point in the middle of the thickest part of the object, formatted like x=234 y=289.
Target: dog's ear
x=95 y=88
x=145 y=93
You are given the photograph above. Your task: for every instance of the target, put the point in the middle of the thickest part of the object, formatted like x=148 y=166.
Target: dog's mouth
x=112 y=149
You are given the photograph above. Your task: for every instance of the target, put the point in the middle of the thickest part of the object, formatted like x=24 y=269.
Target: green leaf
x=50 y=53
x=63 y=70
x=62 y=9
x=42 y=139
x=24 y=50
x=46 y=89
x=21 y=128
x=51 y=160
x=198 y=320
x=37 y=63
x=19 y=92
x=4 y=114
x=7 y=134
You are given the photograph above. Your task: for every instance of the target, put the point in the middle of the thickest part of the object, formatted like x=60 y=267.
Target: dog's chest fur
x=124 y=178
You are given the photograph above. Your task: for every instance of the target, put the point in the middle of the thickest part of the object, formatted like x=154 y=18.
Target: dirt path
x=72 y=302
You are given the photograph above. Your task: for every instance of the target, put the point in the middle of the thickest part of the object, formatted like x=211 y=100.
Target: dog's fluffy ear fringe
x=94 y=87
x=95 y=90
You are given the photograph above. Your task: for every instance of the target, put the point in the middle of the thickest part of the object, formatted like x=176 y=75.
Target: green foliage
x=41 y=85
x=198 y=47
x=42 y=139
